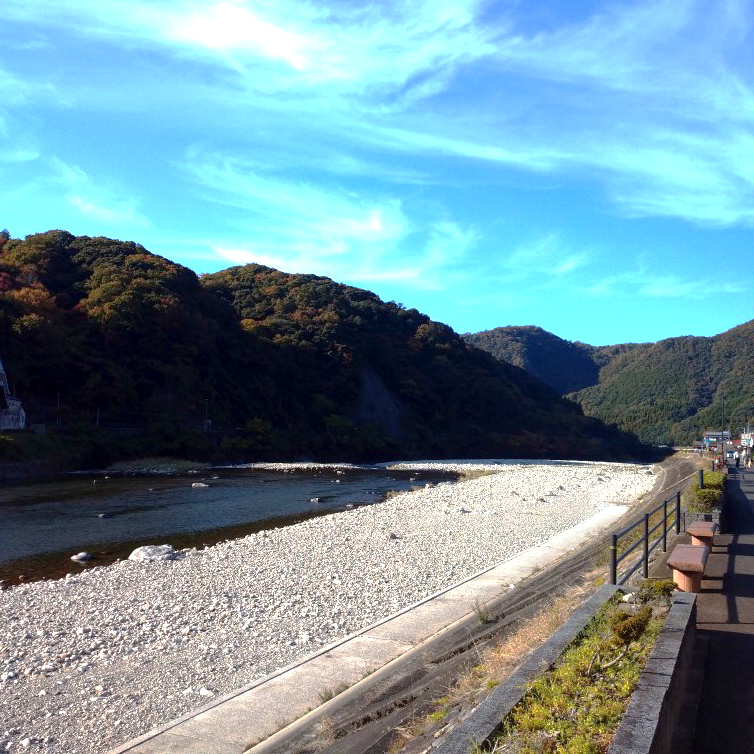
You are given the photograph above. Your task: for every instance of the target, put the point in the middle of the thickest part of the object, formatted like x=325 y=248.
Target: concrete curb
x=487 y=718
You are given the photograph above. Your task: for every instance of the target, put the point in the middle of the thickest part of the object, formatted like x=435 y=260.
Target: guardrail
x=644 y=540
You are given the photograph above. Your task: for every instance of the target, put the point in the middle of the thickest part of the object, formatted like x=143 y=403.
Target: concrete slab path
x=230 y=724
x=725 y=717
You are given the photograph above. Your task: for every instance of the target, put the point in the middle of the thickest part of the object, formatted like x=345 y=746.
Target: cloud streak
x=648 y=284
x=296 y=226
x=99 y=203
x=641 y=97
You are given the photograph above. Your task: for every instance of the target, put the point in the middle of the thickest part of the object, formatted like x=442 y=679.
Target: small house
x=12 y=414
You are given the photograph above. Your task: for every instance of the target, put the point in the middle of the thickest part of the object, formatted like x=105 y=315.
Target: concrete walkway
x=725 y=718
x=230 y=724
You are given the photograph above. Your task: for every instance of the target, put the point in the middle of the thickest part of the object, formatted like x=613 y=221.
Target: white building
x=12 y=414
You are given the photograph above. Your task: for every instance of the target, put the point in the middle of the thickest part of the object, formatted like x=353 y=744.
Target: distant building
x=714 y=436
x=12 y=414
x=714 y=439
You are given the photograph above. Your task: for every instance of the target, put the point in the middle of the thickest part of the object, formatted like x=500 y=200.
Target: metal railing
x=644 y=541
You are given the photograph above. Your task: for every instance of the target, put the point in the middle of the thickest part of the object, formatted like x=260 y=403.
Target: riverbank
x=96 y=659
x=109 y=514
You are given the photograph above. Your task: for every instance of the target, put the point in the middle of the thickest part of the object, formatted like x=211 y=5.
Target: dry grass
x=330 y=693
x=496 y=663
x=325 y=733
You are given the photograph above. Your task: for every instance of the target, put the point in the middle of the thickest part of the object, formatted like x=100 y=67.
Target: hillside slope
x=670 y=391
x=295 y=365
x=563 y=365
x=666 y=392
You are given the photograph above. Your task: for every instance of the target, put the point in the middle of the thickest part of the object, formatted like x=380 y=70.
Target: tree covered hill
x=672 y=390
x=295 y=365
x=563 y=365
x=666 y=392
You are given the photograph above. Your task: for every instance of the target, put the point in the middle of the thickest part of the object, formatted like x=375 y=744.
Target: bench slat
x=689 y=558
x=704 y=528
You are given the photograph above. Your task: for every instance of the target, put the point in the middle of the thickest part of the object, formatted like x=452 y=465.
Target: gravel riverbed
x=93 y=660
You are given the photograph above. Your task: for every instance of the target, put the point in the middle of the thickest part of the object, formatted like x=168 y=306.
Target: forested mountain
x=666 y=392
x=563 y=365
x=293 y=365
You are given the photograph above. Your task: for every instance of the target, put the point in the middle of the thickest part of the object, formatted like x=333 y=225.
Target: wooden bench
x=687 y=563
x=702 y=532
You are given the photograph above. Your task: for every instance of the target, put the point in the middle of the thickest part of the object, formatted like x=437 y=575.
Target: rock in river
x=149 y=553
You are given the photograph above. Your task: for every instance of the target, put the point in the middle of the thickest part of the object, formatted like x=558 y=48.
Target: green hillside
x=665 y=393
x=672 y=390
x=95 y=330
x=563 y=365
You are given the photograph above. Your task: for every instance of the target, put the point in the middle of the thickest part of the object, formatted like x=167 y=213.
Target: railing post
x=664 y=525
x=645 y=569
x=678 y=512
x=614 y=559
x=701 y=479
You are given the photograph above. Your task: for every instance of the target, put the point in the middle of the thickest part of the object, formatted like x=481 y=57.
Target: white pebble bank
x=91 y=661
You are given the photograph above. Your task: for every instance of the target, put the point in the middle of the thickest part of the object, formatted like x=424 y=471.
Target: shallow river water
x=43 y=524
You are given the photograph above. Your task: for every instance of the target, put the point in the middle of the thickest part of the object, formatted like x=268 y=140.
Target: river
x=42 y=524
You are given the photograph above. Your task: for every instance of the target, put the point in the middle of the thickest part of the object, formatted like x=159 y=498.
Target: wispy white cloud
x=94 y=200
x=389 y=52
x=298 y=227
x=19 y=90
x=670 y=286
x=651 y=98
x=486 y=147
x=544 y=257
x=315 y=215
x=18 y=153
x=228 y=27
x=647 y=283
x=658 y=97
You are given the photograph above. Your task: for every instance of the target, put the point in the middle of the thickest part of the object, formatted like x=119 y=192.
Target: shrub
x=655 y=591
x=706 y=499
x=714 y=479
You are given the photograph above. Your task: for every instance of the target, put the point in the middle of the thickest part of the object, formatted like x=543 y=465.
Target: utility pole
x=206 y=424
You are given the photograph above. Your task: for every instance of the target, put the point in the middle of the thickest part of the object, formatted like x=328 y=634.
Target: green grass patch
x=159 y=465
x=707 y=498
x=481 y=611
x=577 y=707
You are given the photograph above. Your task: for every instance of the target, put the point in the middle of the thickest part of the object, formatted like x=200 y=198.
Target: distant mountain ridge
x=295 y=366
x=666 y=392
x=564 y=365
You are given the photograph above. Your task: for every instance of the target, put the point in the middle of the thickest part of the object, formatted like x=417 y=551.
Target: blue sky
x=587 y=167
